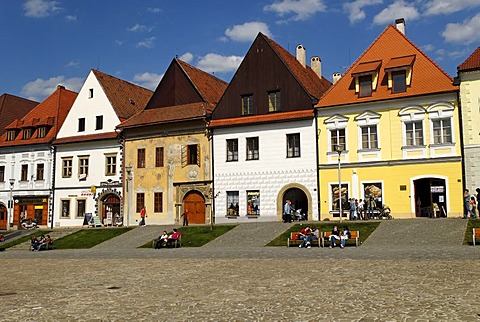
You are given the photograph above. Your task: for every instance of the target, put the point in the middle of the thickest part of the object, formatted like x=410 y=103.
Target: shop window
x=141 y=158
x=274 y=101
x=81 y=206
x=233 y=200
x=40 y=171
x=253 y=203
x=140 y=201
x=232 y=150
x=247 y=104
x=65 y=210
x=252 y=149
x=374 y=191
x=339 y=195
x=158 y=202
x=293 y=145
x=159 y=157
x=66 y=167
x=24 y=172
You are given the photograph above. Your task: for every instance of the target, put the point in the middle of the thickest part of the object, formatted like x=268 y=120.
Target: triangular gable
x=367 y=115
x=393 y=49
x=337 y=118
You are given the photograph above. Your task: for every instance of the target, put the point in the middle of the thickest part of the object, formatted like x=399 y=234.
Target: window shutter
x=198 y=155
x=184 y=156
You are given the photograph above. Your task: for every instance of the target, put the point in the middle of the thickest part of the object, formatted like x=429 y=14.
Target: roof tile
x=13 y=107
x=471 y=63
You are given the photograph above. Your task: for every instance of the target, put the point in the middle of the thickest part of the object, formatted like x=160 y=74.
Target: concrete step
x=54 y=234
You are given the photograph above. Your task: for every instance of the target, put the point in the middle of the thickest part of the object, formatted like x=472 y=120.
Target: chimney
x=336 y=77
x=302 y=55
x=316 y=65
x=400 y=24
x=60 y=87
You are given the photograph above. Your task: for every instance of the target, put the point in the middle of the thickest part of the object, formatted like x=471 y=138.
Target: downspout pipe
x=317 y=157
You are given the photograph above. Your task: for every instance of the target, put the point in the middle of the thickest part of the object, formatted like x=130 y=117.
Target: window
x=40 y=171
x=81 y=124
x=253 y=203
x=66 y=167
x=337 y=197
x=159 y=157
x=369 y=137
x=24 y=172
x=247 y=104
x=2 y=173
x=141 y=158
x=274 y=101
x=27 y=134
x=81 y=205
x=232 y=150
x=110 y=165
x=293 y=145
x=99 y=122
x=442 y=131
x=41 y=132
x=90 y=93
x=252 y=149
x=192 y=154
x=337 y=137
x=65 y=210
x=83 y=167
x=399 y=79
x=158 y=202
x=11 y=135
x=365 y=85
x=414 y=133
x=140 y=201
x=232 y=203
x=373 y=190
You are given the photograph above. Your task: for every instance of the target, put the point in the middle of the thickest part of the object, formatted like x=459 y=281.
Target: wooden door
x=195 y=204
x=3 y=217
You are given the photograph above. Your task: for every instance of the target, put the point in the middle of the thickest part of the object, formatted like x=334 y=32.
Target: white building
x=88 y=153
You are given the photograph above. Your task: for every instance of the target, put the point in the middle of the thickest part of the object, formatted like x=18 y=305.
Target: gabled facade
x=469 y=78
x=88 y=154
x=27 y=158
x=167 y=148
x=392 y=122
x=264 y=136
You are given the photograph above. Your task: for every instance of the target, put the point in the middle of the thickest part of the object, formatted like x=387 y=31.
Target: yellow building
x=167 y=154
x=388 y=130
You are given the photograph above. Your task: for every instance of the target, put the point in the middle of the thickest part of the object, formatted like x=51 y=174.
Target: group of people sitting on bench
x=307 y=235
x=44 y=241
x=337 y=235
x=167 y=240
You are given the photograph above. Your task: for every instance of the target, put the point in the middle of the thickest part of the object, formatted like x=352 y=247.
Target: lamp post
x=128 y=170
x=10 y=213
x=339 y=149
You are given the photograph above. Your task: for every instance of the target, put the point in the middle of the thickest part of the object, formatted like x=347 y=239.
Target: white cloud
x=154 y=10
x=247 y=32
x=118 y=42
x=187 y=57
x=436 y=7
x=70 y=18
x=214 y=63
x=147 y=43
x=355 y=9
x=39 y=89
x=398 y=9
x=428 y=47
x=148 y=80
x=140 y=28
x=464 y=33
x=301 y=9
x=41 y=8
x=456 y=54
x=73 y=63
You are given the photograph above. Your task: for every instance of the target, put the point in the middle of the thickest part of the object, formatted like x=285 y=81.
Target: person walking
x=371 y=206
x=467 y=210
x=353 y=208
x=185 y=217
x=287 y=211
x=143 y=214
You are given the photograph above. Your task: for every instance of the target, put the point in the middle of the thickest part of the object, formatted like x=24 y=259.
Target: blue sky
x=47 y=42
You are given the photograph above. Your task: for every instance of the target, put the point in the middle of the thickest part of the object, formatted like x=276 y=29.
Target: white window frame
x=413 y=113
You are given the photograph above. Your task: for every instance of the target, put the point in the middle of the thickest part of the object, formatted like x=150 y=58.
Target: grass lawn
x=472 y=223
x=87 y=238
x=365 y=228
x=23 y=239
x=196 y=236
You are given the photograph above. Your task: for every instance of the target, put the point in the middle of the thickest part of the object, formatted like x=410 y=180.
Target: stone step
x=54 y=234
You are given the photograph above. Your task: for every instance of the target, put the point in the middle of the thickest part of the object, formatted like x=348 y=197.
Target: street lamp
x=10 y=214
x=128 y=170
x=339 y=149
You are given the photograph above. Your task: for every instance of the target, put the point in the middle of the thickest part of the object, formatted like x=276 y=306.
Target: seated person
x=162 y=240
x=2 y=239
x=42 y=242
x=344 y=236
x=34 y=243
x=174 y=236
x=49 y=241
x=334 y=236
x=315 y=234
x=306 y=236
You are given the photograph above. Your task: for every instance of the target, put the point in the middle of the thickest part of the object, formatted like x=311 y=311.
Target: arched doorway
x=195 y=204
x=430 y=197
x=299 y=200
x=3 y=216
x=111 y=210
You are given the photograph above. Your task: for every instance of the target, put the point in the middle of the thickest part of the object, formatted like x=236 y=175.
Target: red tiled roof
x=305 y=75
x=398 y=62
x=126 y=98
x=264 y=118
x=52 y=111
x=427 y=76
x=86 y=138
x=367 y=68
x=13 y=107
x=471 y=63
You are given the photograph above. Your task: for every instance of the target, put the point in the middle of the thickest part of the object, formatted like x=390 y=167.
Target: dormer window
x=11 y=134
x=27 y=134
x=366 y=77
x=399 y=71
x=41 y=132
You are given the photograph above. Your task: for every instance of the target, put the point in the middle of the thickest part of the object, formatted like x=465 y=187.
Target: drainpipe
x=52 y=193
x=456 y=81
x=317 y=161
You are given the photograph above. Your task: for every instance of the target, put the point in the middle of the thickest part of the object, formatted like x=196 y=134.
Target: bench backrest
x=476 y=232
x=353 y=234
x=294 y=235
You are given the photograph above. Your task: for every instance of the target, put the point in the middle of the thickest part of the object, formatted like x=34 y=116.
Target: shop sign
x=437 y=189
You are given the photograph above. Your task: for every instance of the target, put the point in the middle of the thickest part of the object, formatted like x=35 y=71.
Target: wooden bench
x=354 y=236
x=295 y=240
x=176 y=244
x=475 y=235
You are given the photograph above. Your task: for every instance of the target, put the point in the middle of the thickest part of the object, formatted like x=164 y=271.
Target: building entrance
x=430 y=197
x=299 y=201
x=111 y=210
x=3 y=216
x=195 y=204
